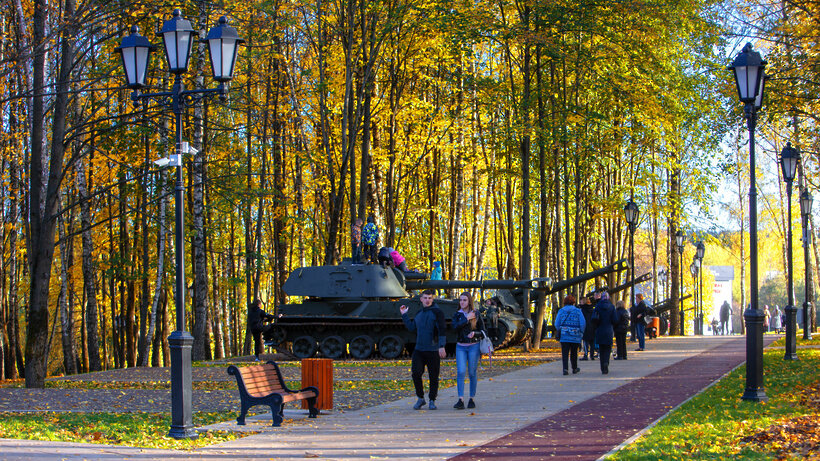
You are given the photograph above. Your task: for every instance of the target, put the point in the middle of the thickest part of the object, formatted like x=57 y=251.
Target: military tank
x=353 y=309
x=506 y=321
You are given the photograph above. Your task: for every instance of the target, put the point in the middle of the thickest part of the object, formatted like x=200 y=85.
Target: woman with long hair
x=470 y=330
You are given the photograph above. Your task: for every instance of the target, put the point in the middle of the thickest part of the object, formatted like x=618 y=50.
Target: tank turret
x=354 y=281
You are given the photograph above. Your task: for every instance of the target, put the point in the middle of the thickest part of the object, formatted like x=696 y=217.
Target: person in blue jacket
x=430 y=340
x=437 y=271
x=606 y=319
x=570 y=325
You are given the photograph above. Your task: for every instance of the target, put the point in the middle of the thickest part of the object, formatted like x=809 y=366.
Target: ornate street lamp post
x=679 y=242
x=805 y=210
x=177 y=36
x=631 y=213
x=789 y=157
x=693 y=269
x=699 y=252
x=748 y=68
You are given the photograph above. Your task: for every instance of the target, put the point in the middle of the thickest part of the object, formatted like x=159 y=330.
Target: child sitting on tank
x=384 y=256
x=390 y=257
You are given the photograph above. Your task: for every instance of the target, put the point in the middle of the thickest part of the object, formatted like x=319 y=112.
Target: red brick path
x=592 y=428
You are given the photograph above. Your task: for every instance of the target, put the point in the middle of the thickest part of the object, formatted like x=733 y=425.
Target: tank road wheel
x=391 y=346
x=332 y=347
x=361 y=347
x=504 y=335
x=304 y=347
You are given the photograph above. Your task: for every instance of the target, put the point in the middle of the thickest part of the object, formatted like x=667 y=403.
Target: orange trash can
x=654 y=322
x=319 y=373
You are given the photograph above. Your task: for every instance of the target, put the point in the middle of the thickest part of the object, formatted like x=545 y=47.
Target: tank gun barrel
x=617 y=266
x=665 y=305
x=627 y=285
x=533 y=284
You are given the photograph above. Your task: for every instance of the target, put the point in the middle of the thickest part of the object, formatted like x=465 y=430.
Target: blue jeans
x=640 y=329
x=467 y=363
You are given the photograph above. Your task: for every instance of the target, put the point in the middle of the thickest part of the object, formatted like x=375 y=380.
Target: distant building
x=721 y=291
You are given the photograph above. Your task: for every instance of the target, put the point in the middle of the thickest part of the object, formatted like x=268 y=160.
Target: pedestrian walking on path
x=726 y=318
x=470 y=330
x=776 y=321
x=640 y=321
x=430 y=340
x=569 y=326
x=621 y=329
x=589 y=330
x=604 y=316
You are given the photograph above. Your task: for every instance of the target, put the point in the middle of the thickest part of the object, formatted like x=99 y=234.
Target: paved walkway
x=531 y=413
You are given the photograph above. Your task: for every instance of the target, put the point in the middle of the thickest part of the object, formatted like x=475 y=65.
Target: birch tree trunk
x=65 y=299
x=89 y=271
x=201 y=346
x=158 y=285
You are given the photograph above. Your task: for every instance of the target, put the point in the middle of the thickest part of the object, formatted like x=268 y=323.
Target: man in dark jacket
x=606 y=320
x=255 y=317
x=725 y=317
x=430 y=339
x=640 y=321
x=589 y=330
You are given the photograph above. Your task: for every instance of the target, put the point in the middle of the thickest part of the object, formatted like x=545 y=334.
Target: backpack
x=623 y=322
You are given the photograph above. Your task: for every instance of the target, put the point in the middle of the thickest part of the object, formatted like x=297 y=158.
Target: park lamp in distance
x=789 y=157
x=701 y=249
x=679 y=240
x=631 y=212
x=805 y=203
x=693 y=269
x=748 y=70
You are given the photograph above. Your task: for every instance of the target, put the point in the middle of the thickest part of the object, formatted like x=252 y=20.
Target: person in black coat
x=589 y=331
x=725 y=318
x=255 y=317
x=621 y=329
x=605 y=316
x=641 y=311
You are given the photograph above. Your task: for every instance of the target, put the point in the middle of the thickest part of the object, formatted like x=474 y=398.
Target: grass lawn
x=149 y=430
x=717 y=424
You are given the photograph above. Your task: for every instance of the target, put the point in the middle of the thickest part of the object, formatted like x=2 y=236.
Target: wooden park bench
x=263 y=385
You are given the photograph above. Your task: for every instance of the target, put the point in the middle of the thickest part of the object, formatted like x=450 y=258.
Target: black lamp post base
x=791 y=333
x=755 y=395
x=754 y=356
x=182 y=427
x=806 y=320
